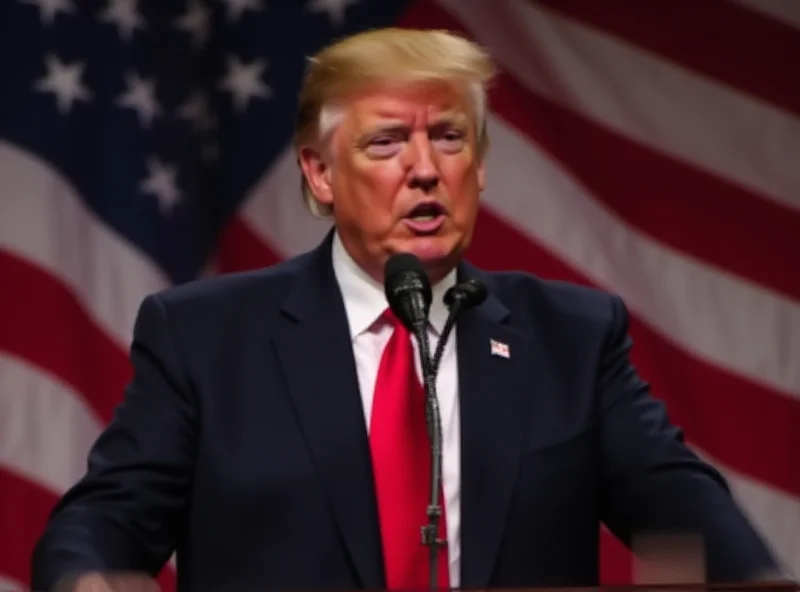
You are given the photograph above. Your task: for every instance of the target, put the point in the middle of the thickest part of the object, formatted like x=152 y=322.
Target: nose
x=424 y=172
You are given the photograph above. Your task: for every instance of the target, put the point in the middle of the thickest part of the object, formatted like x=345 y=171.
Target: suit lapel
x=313 y=345
x=493 y=397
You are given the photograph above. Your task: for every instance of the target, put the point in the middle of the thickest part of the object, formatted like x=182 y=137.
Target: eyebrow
x=438 y=123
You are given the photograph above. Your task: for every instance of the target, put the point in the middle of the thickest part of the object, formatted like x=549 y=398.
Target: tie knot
x=389 y=317
x=395 y=323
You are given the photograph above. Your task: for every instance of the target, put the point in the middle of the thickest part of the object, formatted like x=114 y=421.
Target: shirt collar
x=364 y=298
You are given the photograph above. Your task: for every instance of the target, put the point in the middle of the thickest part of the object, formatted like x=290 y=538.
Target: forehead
x=409 y=104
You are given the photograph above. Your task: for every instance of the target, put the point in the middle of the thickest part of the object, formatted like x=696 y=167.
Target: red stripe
x=695 y=391
x=715 y=37
x=24 y=510
x=240 y=248
x=44 y=323
x=616 y=561
x=702 y=215
x=24 y=507
x=167 y=579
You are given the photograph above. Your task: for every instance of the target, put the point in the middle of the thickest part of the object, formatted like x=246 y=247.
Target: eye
x=382 y=141
x=450 y=140
x=381 y=146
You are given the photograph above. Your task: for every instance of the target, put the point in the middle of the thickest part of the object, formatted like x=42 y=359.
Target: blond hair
x=380 y=56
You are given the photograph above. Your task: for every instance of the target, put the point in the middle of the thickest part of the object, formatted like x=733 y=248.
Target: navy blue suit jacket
x=241 y=443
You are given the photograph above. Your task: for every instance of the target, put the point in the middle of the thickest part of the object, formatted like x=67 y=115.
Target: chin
x=437 y=254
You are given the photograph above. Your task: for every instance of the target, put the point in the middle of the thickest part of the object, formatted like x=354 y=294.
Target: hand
x=110 y=582
x=669 y=559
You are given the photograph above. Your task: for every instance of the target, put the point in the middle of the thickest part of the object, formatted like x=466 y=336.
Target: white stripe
x=46 y=428
x=745 y=329
x=776 y=515
x=285 y=222
x=43 y=220
x=786 y=11
x=641 y=96
x=725 y=320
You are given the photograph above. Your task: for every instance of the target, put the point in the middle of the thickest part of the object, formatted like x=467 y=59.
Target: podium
x=765 y=586
x=783 y=586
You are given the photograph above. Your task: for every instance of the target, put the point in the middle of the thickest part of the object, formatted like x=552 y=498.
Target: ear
x=482 y=175
x=317 y=172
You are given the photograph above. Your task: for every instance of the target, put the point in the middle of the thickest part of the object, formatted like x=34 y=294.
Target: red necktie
x=401 y=465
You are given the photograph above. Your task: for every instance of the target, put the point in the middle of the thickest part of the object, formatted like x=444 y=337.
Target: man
x=271 y=433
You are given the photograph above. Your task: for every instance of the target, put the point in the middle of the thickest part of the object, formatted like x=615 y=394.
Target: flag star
x=195 y=22
x=196 y=110
x=141 y=97
x=125 y=15
x=64 y=81
x=48 y=9
x=334 y=8
x=161 y=182
x=244 y=81
x=237 y=7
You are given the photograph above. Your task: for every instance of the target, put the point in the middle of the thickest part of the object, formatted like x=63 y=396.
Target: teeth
x=424 y=217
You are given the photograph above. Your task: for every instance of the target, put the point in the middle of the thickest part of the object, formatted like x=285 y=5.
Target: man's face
x=403 y=175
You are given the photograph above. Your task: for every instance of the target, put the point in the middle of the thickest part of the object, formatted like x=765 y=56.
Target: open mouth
x=426 y=217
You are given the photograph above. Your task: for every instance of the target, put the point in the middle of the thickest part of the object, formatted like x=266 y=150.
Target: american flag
x=647 y=148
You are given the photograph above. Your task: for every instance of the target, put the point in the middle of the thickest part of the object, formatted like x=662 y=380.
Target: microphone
x=464 y=295
x=408 y=290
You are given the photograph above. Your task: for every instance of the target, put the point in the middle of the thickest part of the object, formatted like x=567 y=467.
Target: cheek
x=380 y=182
x=370 y=190
x=387 y=178
x=463 y=189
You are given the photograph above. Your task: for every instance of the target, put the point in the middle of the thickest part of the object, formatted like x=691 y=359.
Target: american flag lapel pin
x=498 y=348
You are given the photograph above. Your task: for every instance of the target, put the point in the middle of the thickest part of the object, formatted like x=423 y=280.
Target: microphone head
x=407 y=288
x=470 y=292
x=475 y=291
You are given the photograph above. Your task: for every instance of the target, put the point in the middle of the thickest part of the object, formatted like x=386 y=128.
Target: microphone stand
x=456 y=300
x=446 y=330
x=433 y=419
x=430 y=370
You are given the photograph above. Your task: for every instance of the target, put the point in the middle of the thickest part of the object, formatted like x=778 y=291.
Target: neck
x=369 y=266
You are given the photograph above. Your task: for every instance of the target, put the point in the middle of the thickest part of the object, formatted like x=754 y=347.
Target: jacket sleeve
x=124 y=514
x=654 y=484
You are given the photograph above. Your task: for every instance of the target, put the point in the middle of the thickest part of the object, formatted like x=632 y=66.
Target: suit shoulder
x=556 y=299
x=268 y=284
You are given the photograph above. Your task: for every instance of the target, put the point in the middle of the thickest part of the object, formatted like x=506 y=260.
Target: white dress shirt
x=365 y=301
